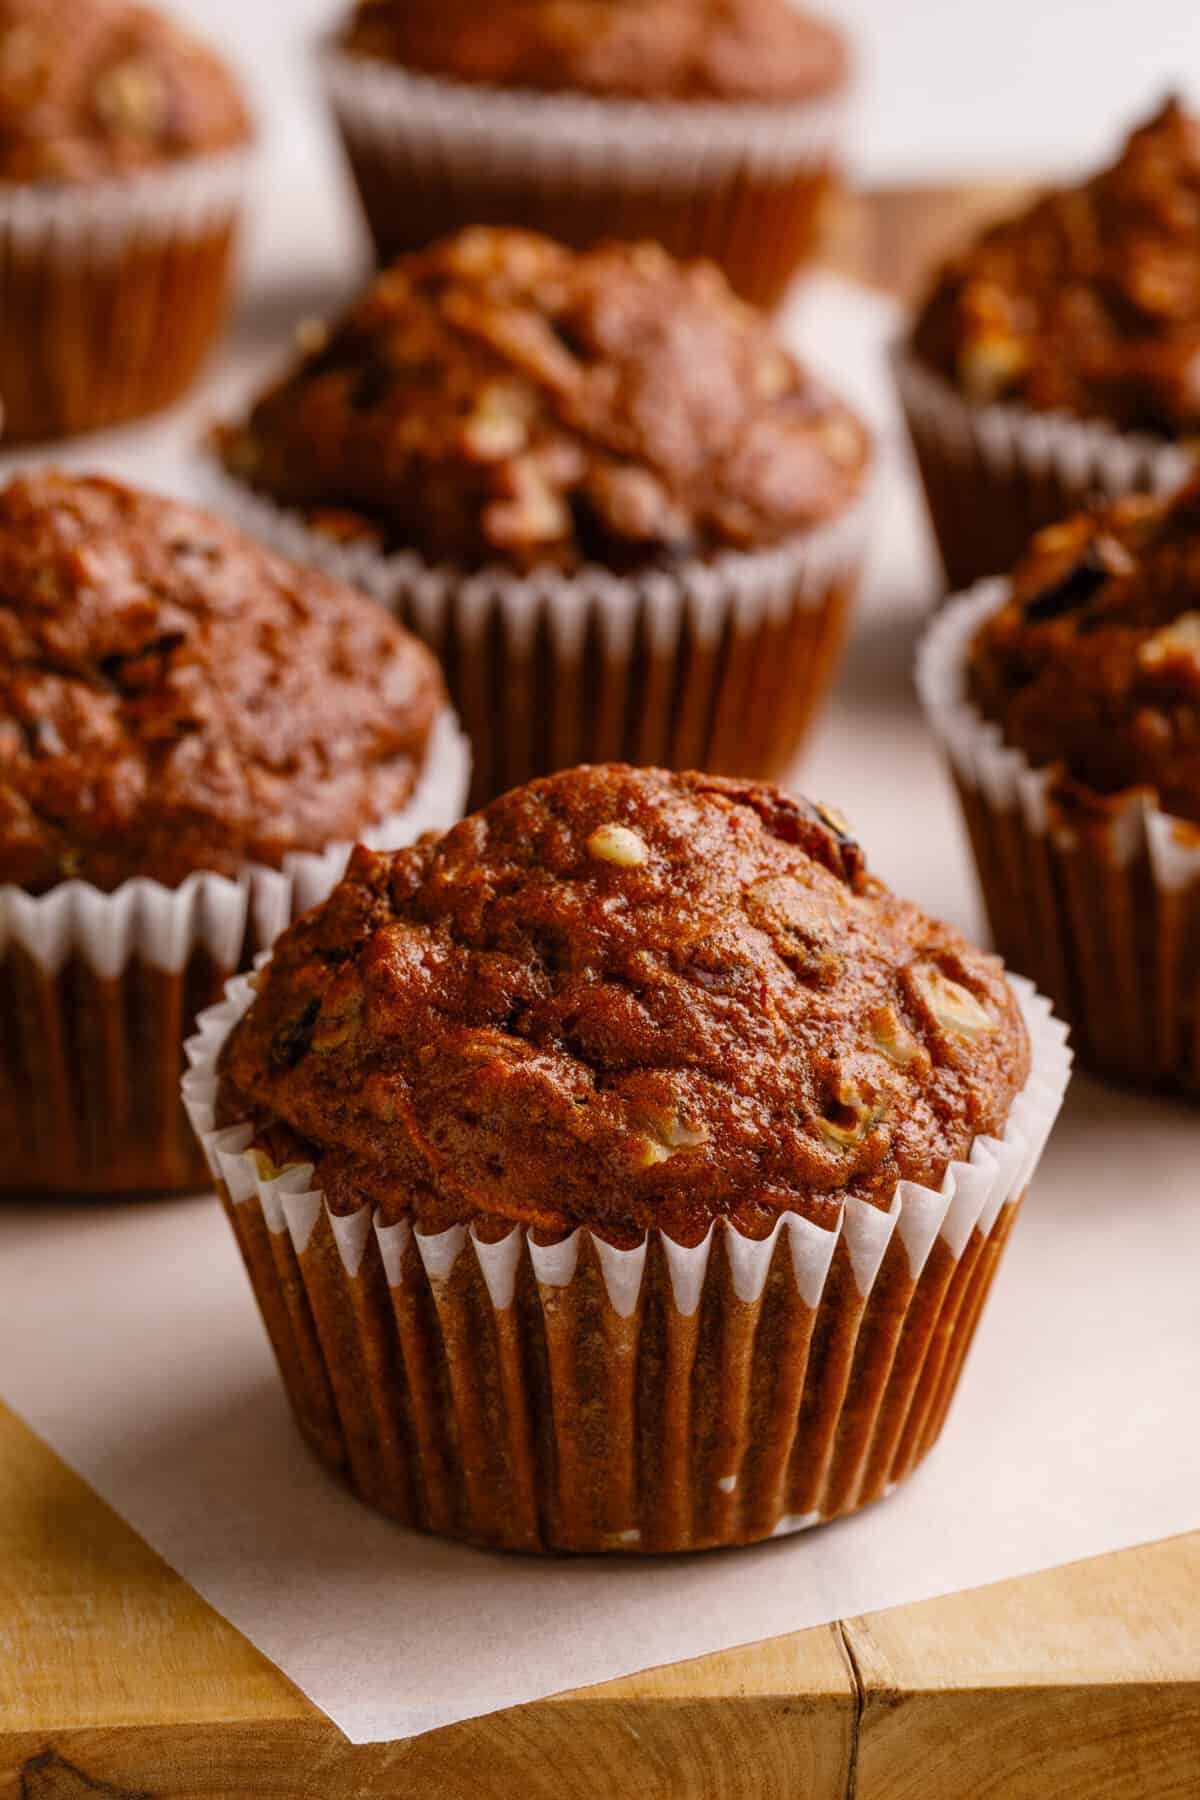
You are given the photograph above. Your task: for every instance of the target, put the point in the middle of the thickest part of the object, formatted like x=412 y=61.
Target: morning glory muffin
x=123 y=150
x=632 y=1113
x=1069 y=700
x=710 y=126
x=192 y=732
x=598 y=484
x=1058 y=356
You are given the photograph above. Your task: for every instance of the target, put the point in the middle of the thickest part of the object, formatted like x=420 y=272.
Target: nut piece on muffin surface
x=178 y=698
x=739 y=50
x=624 y=999
x=1088 y=302
x=1093 y=664
x=91 y=89
x=500 y=399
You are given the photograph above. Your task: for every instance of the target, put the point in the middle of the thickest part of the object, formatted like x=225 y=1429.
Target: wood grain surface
x=115 y=1677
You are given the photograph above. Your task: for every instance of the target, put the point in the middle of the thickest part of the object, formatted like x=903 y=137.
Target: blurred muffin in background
x=1068 y=700
x=1059 y=355
x=191 y=730
x=123 y=161
x=595 y=482
x=709 y=126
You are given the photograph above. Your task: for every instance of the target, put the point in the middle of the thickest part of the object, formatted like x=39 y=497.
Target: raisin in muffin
x=1070 y=699
x=1060 y=353
x=190 y=726
x=657 y=1102
x=122 y=165
x=710 y=126
x=597 y=482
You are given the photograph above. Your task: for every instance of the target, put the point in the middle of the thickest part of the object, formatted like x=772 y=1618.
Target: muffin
x=1068 y=700
x=191 y=731
x=709 y=126
x=627 y=1170
x=1059 y=356
x=123 y=150
x=597 y=483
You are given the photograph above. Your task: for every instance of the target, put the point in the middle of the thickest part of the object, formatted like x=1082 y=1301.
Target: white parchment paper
x=129 y=1340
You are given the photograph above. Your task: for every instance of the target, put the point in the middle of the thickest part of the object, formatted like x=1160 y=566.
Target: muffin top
x=625 y=999
x=94 y=88
x=1089 y=302
x=1094 y=663
x=174 y=697
x=748 y=50
x=498 y=398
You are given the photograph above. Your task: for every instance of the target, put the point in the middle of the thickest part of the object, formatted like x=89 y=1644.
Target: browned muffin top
x=753 y=50
x=90 y=88
x=625 y=998
x=500 y=398
x=1090 y=301
x=174 y=697
x=1095 y=661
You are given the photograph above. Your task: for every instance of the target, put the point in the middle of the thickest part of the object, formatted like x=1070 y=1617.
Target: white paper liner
x=977 y=1198
x=1000 y=472
x=1138 y=839
x=1088 y=455
x=741 y=646
x=189 y=196
x=760 y=585
x=522 y=132
x=112 y=291
x=162 y=926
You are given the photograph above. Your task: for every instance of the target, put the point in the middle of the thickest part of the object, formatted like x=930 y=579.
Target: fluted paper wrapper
x=98 y=992
x=716 y=664
x=995 y=475
x=574 y=1396
x=111 y=292
x=1100 y=906
x=740 y=183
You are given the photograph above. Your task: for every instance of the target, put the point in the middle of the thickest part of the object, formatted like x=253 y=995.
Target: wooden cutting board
x=117 y=1680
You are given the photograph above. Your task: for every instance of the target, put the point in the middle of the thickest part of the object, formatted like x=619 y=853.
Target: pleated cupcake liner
x=995 y=475
x=1099 y=905
x=98 y=992
x=716 y=664
x=738 y=182
x=574 y=1396
x=111 y=292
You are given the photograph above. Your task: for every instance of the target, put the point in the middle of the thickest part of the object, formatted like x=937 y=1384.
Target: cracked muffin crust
x=177 y=698
x=1094 y=662
x=1088 y=302
x=499 y=398
x=99 y=88
x=749 y=50
x=626 y=999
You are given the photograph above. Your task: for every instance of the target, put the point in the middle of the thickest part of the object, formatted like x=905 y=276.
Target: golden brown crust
x=499 y=398
x=1094 y=663
x=174 y=697
x=1089 y=302
x=625 y=998
x=95 y=88
x=749 y=50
